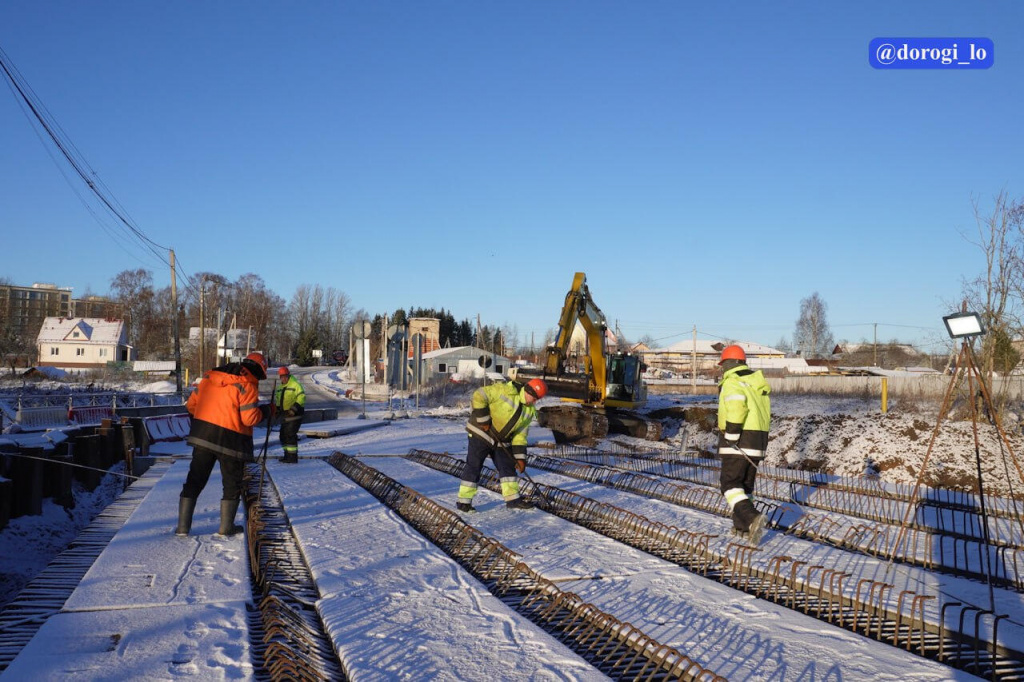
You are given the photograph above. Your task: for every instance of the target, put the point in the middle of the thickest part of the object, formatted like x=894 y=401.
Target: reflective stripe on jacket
x=224 y=409
x=290 y=396
x=744 y=412
x=502 y=407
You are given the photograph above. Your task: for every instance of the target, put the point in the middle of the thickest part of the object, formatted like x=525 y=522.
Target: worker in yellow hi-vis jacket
x=744 y=416
x=500 y=417
x=290 y=404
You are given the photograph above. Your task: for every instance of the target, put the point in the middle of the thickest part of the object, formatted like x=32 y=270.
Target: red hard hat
x=257 y=364
x=537 y=388
x=283 y=371
x=733 y=353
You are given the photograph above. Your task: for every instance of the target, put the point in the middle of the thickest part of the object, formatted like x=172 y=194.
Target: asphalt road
x=318 y=397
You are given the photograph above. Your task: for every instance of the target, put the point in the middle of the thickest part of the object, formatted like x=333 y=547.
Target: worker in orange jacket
x=224 y=408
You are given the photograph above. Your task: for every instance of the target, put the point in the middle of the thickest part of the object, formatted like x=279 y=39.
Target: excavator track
x=583 y=424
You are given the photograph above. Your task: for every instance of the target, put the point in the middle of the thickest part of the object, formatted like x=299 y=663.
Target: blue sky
x=705 y=164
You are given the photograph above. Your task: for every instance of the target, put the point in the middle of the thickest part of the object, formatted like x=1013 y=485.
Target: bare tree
x=647 y=340
x=510 y=339
x=812 y=336
x=260 y=310
x=997 y=294
x=15 y=347
x=319 y=317
x=133 y=289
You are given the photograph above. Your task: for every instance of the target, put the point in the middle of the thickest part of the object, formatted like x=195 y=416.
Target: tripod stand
x=965 y=368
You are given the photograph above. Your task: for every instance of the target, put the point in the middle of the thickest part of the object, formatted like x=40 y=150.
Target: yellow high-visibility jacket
x=500 y=415
x=290 y=395
x=744 y=412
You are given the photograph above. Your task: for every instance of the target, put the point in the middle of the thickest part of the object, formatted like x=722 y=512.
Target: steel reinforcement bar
x=45 y=595
x=953 y=554
x=615 y=648
x=935 y=511
x=866 y=606
x=705 y=470
x=289 y=641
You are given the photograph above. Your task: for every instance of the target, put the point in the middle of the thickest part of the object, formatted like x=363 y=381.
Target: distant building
x=232 y=345
x=429 y=330
x=23 y=309
x=82 y=343
x=96 y=306
x=679 y=357
x=235 y=344
x=466 y=361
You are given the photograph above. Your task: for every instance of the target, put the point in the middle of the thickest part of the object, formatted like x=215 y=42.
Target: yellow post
x=885 y=395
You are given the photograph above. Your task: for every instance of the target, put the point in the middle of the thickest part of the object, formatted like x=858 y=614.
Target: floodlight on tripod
x=963 y=325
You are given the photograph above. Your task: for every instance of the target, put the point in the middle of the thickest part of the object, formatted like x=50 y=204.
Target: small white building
x=466 y=361
x=83 y=343
x=235 y=344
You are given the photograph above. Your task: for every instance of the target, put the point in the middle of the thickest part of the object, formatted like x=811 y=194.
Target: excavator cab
x=624 y=383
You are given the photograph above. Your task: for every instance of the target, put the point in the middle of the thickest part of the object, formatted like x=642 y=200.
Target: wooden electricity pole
x=177 y=329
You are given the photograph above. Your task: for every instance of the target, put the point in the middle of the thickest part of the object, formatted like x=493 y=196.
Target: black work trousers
x=476 y=455
x=739 y=471
x=290 y=437
x=231 y=471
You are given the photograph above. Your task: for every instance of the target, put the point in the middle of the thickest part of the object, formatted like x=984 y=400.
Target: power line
x=26 y=98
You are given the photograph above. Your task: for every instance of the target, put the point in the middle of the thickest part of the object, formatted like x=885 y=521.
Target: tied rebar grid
x=615 y=648
x=938 y=510
x=45 y=594
x=863 y=606
x=704 y=471
x=921 y=545
x=288 y=638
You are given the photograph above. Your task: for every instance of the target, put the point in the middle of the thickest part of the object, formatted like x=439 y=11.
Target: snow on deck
x=397 y=606
x=153 y=605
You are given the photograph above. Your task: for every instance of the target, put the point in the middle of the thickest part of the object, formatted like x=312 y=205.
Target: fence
x=927 y=386
x=110 y=399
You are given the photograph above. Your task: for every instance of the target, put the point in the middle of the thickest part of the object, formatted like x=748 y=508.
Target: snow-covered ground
x=400 y=609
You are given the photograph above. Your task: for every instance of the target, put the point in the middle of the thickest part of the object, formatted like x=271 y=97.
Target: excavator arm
x=579 y=307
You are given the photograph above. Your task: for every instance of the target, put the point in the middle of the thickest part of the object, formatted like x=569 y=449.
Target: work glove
x=289 y=413
x=268 y=411
x=520 y=465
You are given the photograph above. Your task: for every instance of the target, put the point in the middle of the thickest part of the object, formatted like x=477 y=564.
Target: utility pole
x=693 y=361
x=202 y=327
x=876 y=345
x=177 y=328
x=222 y=321
x=384 y=351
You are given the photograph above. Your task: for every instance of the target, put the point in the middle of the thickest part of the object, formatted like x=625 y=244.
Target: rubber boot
x=228 y=508
x=757 y=528
x=743 y=514
x=186 y=507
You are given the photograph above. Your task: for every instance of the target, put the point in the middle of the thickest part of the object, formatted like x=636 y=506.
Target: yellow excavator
x=606 y=389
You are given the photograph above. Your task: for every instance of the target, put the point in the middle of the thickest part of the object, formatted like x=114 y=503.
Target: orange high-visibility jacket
x=224 y=409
